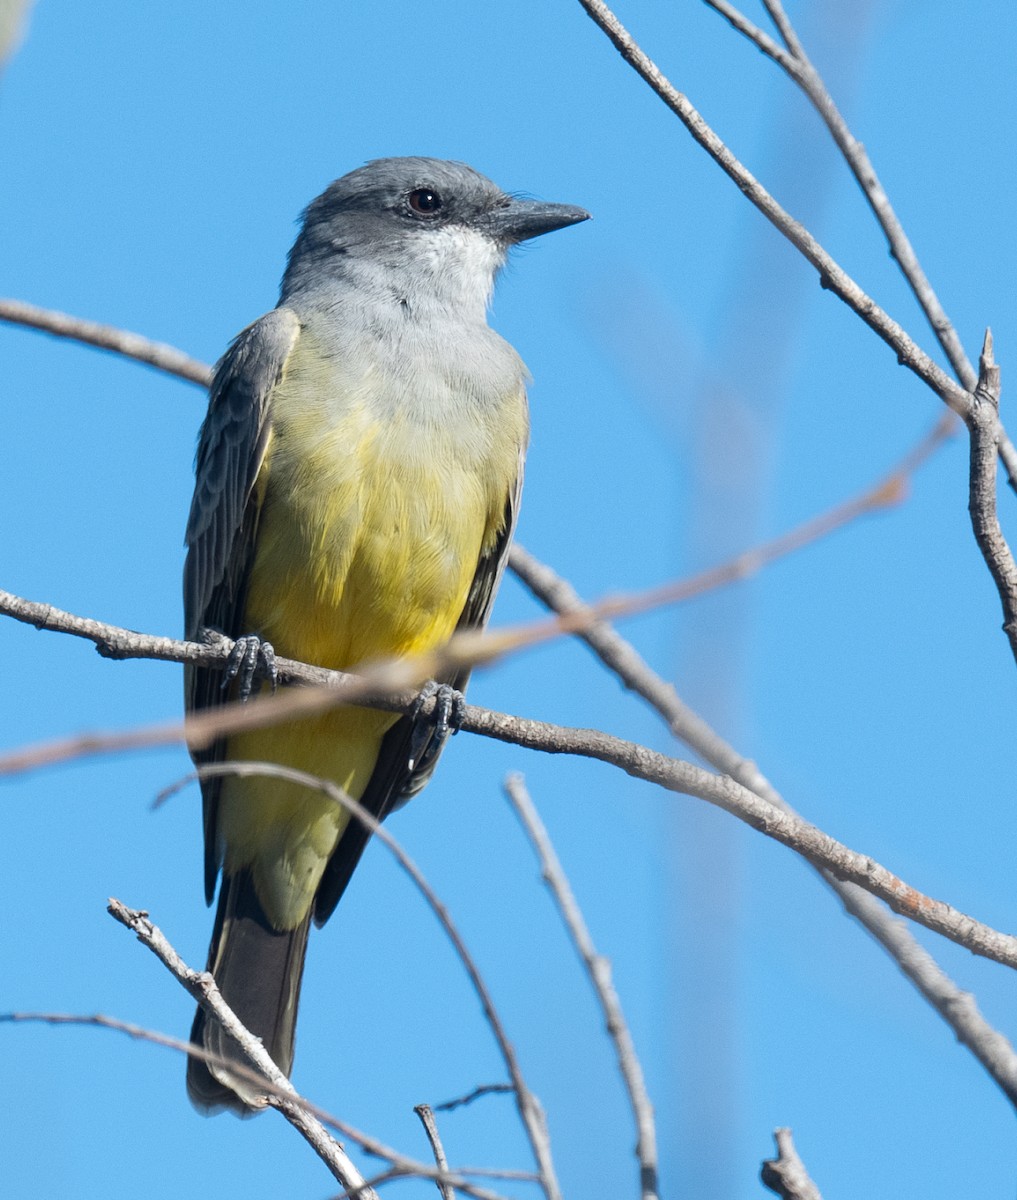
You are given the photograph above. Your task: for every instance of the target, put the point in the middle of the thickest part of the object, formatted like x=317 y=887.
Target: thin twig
x=485 y=1089
x=530 y=1111
x=832 y=275
x=958 y=1008
x=598 y=970
x=202 y=988
x=426 y=1115
x=107 y=337
x=784 y=27
x=802 y=70
x=983 y=426
x=799 y=67
x=401 y=1167
x=786 y=1174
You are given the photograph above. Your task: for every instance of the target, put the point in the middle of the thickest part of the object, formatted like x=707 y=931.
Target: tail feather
x=258 y=970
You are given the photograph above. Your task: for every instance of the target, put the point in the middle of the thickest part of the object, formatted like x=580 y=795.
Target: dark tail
x=258 y=970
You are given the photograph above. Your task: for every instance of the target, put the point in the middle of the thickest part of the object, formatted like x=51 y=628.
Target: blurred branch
x=598 y=969
x=957 y=1007
x=530 y=1112
x=983 y=426
x=638 y=761
x=786 y=1174
x=889 y=490
x=832 y=275
x=380 y=687
x=13 y=22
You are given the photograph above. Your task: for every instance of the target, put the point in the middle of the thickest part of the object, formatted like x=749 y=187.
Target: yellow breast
x=371 y=526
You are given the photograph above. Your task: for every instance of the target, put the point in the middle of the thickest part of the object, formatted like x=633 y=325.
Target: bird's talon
x=429 y=734
x=250 y=659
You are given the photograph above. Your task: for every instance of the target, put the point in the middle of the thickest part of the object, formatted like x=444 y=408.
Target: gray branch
x=983 y=427
x=598 y=970
x=530 y=1111
x=786 y=1174
x=107 y=337
x=673 y=774
x=831 y=275
x=284 y=1095
x=958 y=1008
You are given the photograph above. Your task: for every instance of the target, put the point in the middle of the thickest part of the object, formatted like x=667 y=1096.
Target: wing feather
x=221 y=530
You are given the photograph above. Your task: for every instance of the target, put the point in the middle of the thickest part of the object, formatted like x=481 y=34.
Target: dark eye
x=425 y=201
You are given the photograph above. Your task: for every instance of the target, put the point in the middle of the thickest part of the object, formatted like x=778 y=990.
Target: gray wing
x=223 y=521
x=393 y=782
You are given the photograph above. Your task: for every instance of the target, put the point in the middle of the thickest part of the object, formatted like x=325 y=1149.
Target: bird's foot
x=448 y=707
x=250 y=659
x=430 y=735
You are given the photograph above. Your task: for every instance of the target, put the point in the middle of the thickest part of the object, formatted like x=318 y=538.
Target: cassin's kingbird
x=358 y=477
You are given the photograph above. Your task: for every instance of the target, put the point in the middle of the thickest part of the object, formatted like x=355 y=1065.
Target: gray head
x=423 y=226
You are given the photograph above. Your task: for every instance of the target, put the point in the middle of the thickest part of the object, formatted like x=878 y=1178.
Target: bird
x=357 y=482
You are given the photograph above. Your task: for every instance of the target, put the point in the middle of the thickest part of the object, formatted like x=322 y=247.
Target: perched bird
x=357 y=482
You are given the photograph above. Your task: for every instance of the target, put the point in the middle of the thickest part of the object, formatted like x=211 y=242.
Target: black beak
x=516 y=220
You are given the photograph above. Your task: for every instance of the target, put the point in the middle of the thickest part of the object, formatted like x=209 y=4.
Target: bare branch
x=983 y=426
x=107 y=337
x=784 y=27
x=888 y=490
x=201 y=987
x=530 y=1111
x=598 y=970
x=958 y=1008
x=738 y=20
x=832 y=275
x=115 y=642
x=285 y=1097
x=797 y=64
x=402 y=1166
x=786 y=1175
x=426 y=1115
x=639 y=761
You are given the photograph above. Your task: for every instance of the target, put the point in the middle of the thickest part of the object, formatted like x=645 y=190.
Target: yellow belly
x=360 y=555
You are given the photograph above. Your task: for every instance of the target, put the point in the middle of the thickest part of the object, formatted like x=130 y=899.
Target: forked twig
x=530 y=1112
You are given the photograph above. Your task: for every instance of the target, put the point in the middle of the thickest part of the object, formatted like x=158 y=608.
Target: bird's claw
x=448 y=707
x=430 y=735
x=250 y=659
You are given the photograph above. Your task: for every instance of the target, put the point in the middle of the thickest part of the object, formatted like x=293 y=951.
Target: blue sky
x=694 y=391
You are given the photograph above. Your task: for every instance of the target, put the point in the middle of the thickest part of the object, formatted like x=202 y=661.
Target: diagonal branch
x=799 y=67
x=107 y=337
x=285 y=1097
x=832 y=275
x=599 y=971
x=957 y=1007
x=401 y=1167
x=983 y=427
x=640 y=762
